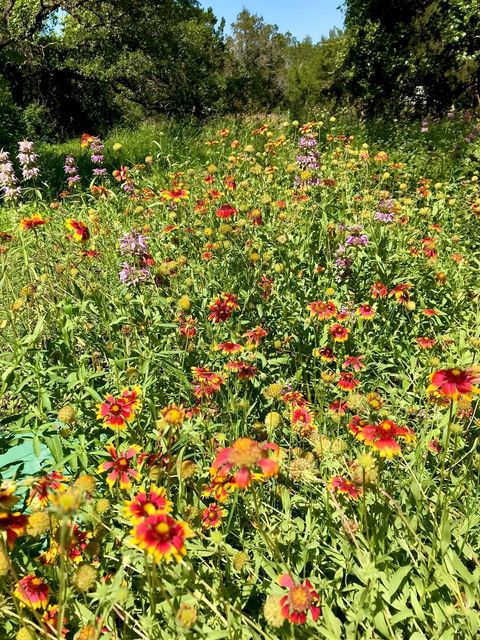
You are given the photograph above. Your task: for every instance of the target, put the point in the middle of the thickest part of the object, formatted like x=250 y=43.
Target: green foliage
x=312 y=73
x=412 y=55
x=399 y=562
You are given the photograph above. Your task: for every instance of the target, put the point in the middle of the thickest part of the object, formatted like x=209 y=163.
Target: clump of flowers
x=71 y=171
x=28 y=160
x=222 y=308
x=117 y=411
x=386 y=211
x=308 y=160
x=132 y=275
x=97 y=158
x=135 y=244
x=206 y=382
x=155 y=530
x=8 y=179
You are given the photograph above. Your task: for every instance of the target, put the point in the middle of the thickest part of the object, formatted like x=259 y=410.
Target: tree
x=312 y=70
x=89 y=64
x=162 y=55
x=257 y=62
x=412 y=54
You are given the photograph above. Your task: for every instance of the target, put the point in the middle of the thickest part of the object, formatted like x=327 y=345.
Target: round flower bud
x=457 y=429
x=86 y=483
x=322 y=445
x=363 y=475
x=186 y=615
x=85 y=577
x=240 y=560
x=38 y=523
x=155 y=473
x=187 y=469
x=4 y=564
x=272 y=610
x=272 y=419
x=300 y=470
x=102 y=506
x=273 y=390
x=24 y=633
x=184 y=303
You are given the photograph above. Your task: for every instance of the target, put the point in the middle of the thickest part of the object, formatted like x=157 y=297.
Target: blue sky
x=302 y=18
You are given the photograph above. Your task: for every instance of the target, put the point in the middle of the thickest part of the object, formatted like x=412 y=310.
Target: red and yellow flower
x=33 y=222
x=228 y=347
x=175 y=195
x=366 y=311
x=323 y=310
x=174 y=415
x=384 y=437
x=147 y=503
x=455 y=383
x=206 y=382
x=33 y=592
x=162 y=536
x=300 y=600
x=301 y=419
x=120 y=467
x=247 y=460
x=425 y=343
x=226 y=211
x=347 y=382
x=117 y=412
x=339 y=333
x=340 y=484
x=14 y=524
x=222 y=308
x=212 y=516
x=87 y=139
x=43 y=487
x=255 y=336
x=79 y=230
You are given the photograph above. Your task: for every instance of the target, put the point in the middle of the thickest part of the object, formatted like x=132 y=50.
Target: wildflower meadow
x=239 y=377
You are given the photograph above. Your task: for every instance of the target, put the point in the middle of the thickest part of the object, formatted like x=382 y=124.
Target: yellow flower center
x=244 y=453
x=162 y=528
x=299 y=598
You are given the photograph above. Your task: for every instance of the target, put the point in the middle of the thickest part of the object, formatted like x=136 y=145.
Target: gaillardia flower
x=162 y=536
x=79 y=230
x=147 y=503
x=116 y=412
x=120 y=466
x=339 y=333
x=384 y=437
x=301 y=599
x=455 y=383
x=33 y=592
x=33 y=222
x=247 y=460
x=339 y=484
